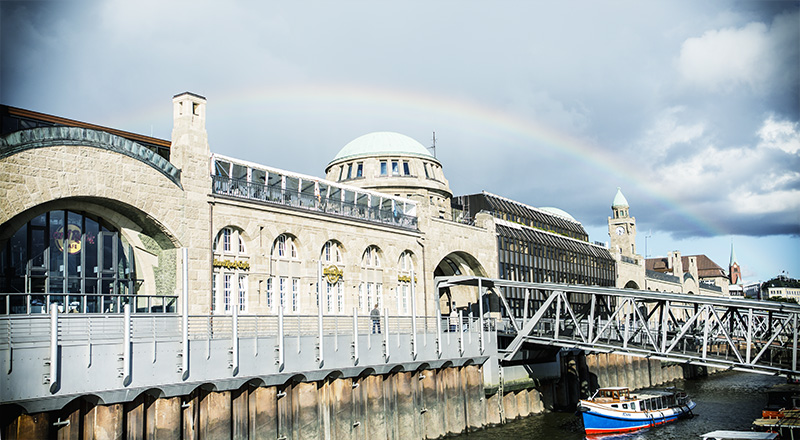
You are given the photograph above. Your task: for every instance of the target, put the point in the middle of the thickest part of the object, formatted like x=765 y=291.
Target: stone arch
x=78 y=171
x=632 y=285
x=153 y=245
x=458 y=297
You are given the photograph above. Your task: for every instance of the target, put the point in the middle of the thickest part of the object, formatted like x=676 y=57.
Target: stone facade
x=157 y=212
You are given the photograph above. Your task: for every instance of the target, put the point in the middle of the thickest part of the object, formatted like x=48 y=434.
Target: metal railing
x=38 y=303
x=243 y=189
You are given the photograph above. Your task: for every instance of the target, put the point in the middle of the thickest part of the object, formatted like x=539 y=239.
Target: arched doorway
x=458 y=298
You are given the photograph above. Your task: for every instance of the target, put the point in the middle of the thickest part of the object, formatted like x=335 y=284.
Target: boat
x=617 y=409
x=739 y=435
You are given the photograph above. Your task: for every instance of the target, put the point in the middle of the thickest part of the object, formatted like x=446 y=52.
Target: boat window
x=624 y=406
x=614 y=405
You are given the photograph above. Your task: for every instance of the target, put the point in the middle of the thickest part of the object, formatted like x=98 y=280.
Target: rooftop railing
x=242 y=189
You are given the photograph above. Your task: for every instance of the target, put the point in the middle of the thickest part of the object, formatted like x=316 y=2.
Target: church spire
x=734 y=271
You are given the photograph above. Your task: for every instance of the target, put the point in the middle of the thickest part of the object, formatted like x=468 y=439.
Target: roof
x=382 y=143
x=619 y=200
x=706 y=268
x=733 y=256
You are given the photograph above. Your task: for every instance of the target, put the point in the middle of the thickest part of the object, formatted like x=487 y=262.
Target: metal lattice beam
x=741 y=334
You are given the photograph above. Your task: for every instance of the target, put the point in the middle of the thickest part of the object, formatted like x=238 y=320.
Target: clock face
x=620 y=230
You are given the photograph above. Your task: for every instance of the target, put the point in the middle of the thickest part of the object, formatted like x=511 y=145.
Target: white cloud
x=723 y=60
x=668 y=132
x=745 y=180
x=781 y=135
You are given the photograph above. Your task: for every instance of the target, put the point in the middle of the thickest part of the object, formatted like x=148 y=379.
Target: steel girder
x=740 y=334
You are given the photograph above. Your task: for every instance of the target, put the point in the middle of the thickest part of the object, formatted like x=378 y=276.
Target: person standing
x=375 y=314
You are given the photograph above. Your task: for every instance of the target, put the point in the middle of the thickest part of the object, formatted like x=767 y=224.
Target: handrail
x=32 y=304
x=242 y=189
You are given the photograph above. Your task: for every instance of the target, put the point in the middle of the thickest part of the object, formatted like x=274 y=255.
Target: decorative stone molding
x=42 y=137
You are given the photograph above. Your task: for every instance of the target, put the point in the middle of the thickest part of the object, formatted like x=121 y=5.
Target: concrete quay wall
x=423 y=404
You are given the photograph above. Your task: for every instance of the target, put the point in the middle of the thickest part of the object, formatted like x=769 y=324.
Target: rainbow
x=473 y=116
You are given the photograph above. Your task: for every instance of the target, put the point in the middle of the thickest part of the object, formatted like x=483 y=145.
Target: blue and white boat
x=617 y=409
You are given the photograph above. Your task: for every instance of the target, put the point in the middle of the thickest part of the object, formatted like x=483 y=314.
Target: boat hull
x=599 y=420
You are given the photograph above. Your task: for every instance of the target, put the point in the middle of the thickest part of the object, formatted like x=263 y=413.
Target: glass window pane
x=258 y=176
x=239 y=172
x=222 y=168
x=56 y=245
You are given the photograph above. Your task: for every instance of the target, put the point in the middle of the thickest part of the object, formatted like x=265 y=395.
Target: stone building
x=90 y=210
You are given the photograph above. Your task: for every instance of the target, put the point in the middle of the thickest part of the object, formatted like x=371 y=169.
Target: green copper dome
x=559 y=212
x=382 y=143
x=619 y=200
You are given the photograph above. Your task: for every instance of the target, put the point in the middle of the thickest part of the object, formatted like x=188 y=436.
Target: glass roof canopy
x=246 y=180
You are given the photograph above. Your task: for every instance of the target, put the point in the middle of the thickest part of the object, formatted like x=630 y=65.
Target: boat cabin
x=646 y=400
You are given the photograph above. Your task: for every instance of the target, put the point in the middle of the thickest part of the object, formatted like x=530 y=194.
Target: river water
x=730 y=400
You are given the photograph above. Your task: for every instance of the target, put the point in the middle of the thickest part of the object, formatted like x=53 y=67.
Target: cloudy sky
x=692 y=108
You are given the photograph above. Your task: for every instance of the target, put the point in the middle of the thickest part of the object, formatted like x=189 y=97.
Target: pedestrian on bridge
x=375 y=314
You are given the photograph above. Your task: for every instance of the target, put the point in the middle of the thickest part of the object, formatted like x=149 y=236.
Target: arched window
x=283 y=283
x=231 y=267
x=65 y=252
x=370 y=288
x=405 y=276
x=332 y=275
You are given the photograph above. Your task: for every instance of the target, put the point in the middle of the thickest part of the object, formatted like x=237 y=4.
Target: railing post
x=235 y=338
x=281 y=358
x=438 y=326
x=386 y=334
x=185 y=316
x=413 y=318
x=355 y=335
x=460 y=331
x=480 y=312
x=53 y=347
x=126 y=347
x=794 y=341
x=321 y=357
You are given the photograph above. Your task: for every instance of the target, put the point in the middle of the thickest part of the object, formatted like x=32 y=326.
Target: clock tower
x=622 y=228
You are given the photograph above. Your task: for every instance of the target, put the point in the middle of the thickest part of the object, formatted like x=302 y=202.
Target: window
x=383 y=168
x=284 y=247
x=331 y=252
x=371 y=258
x=425 y=167
x=231 y=268
x=270 y=292
x=242 y=293
x=295 y=293
x=360 y=169
x=395 y=168
x=282 y=293
x=406 y=171
x=226 y=291
x=349 y=171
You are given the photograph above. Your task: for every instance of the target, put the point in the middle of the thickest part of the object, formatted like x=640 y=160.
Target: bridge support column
x=431 y=394
x=493 y=409
x=163 y=418
x=262 y=408
x=73 y=412
x=134 y=416
x=305 y=411
x=376 y=417
x=476 y=402
x=215 y=415
x=407 y=410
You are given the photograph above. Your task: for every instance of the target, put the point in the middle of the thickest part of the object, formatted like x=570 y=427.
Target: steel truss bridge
x=738 y=334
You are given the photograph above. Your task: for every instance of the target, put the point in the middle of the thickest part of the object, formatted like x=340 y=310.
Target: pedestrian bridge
x=737 y=334
x=51 y=359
